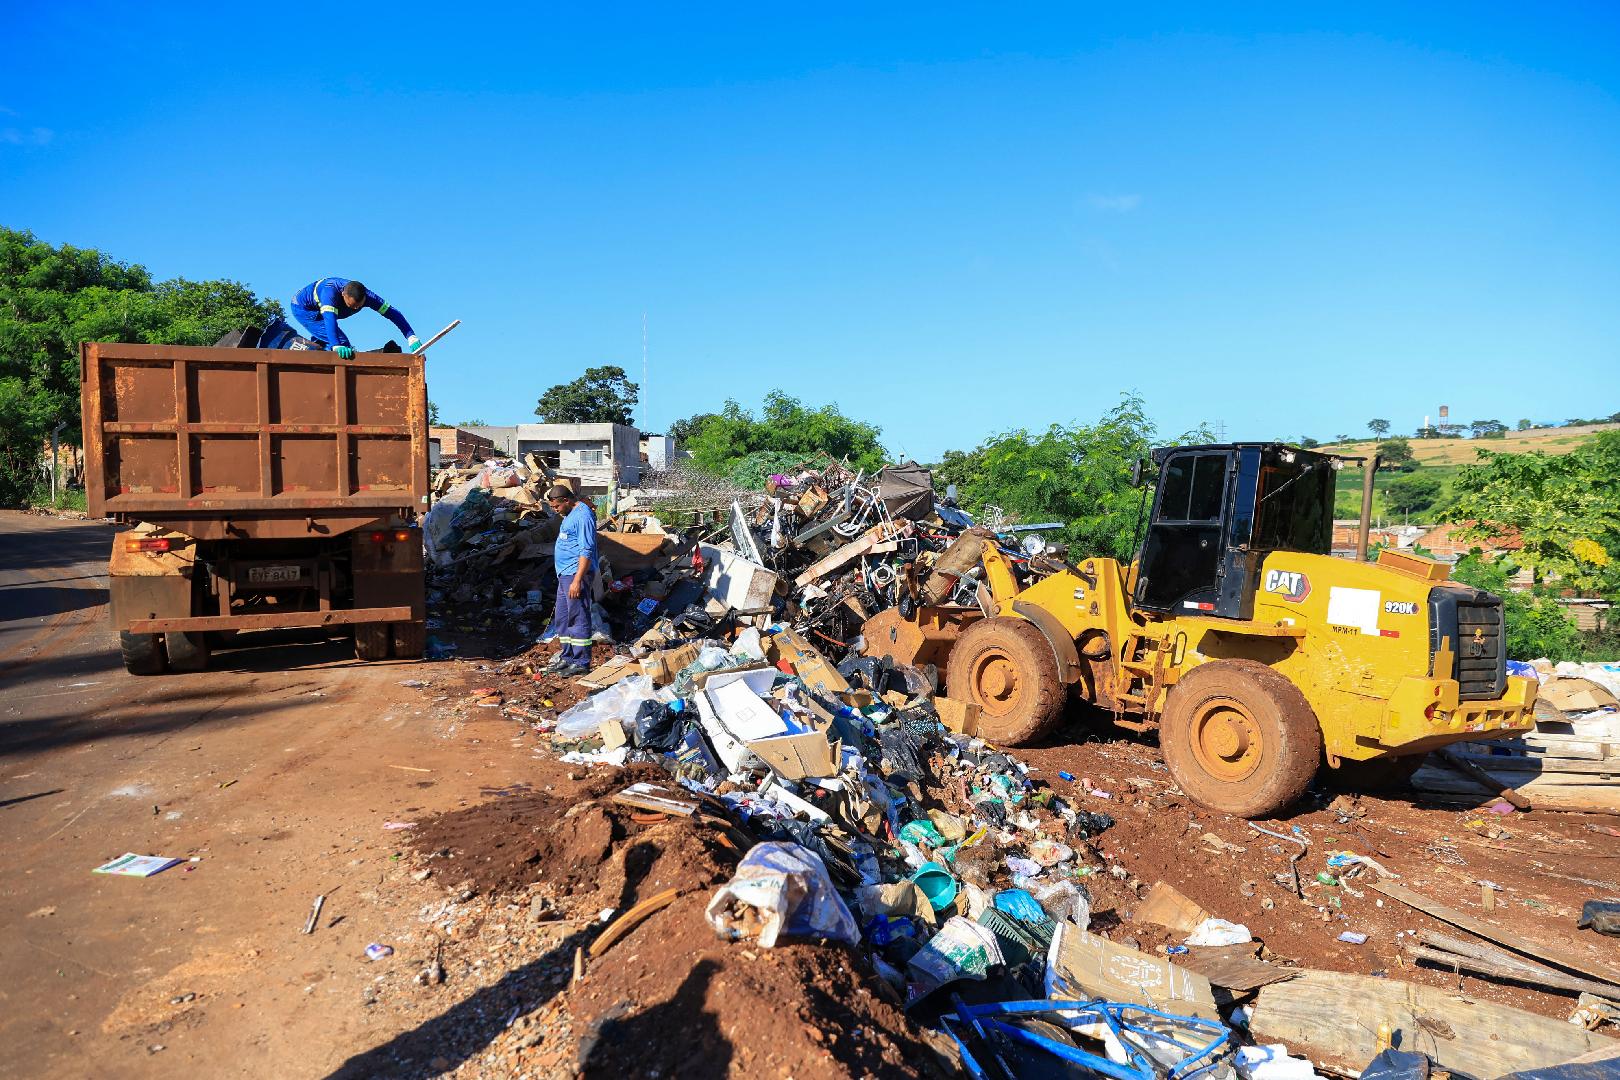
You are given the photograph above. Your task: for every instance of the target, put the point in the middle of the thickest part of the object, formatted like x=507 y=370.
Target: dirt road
x=275 y=772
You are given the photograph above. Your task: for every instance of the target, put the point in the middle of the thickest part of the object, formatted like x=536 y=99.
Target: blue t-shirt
x=577 y=537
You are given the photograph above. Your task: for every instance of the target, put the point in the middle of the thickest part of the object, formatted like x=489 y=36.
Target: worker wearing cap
x=320 y=304
x=575 y=560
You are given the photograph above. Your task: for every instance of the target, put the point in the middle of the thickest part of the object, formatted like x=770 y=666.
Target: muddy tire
x=410 y=639
x=1240 y=738
x=1007 y=667
x=188 y=650
x=143 y=653
x=371 y=641
x=1380 y=774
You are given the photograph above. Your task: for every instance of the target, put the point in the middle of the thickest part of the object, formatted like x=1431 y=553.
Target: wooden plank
x=1334 y=1019
x=1545 y=953
x=1469 y=768
x=1234 y=967
x=1482 y=958
x=848 y=553
x=1445 y=785
x=1539 y=766
x=627 y=922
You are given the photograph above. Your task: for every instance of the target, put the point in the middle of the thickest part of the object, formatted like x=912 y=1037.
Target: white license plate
x=271 y=575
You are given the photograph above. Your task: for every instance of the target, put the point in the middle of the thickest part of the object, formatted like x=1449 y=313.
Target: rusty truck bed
x=208 y=439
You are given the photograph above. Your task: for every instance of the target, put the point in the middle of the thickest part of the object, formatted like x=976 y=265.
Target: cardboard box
x=799 y=756
x=807 y=661
x=729 y=719
x=665 y=664
x=961 y=717
x=1094 y=967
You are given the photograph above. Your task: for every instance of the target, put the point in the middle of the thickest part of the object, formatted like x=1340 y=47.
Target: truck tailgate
x=178 y=430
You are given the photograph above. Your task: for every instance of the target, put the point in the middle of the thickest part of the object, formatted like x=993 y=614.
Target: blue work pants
x=315 y=323
x=573 y=621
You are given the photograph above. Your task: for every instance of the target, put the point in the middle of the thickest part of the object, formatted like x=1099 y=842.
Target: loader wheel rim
x=997 y=683
x=1227 y=741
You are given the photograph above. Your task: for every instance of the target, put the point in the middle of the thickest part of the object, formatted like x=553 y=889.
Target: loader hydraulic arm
x=998 y=575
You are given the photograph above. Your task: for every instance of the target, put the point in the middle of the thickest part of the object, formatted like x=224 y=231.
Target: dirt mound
x=509 y=844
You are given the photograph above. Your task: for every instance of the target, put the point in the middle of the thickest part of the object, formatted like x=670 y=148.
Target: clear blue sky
x=950 y=220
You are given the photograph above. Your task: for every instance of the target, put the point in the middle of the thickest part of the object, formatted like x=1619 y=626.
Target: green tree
x=433 y=413
x=603 y=395
x=1379 y=428
x=1429 y=432
x=1564 y=511
x=473 y=423
x=1534 y=626
x=682 y=431
x=54 y=298
x=1307 y=443
x=1412 y=493
x=1487 y=429
x=1079 y=474
x=1395 y=453
x=1526 y=425
x=785 y=427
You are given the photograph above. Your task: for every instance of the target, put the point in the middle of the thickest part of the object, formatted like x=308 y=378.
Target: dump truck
x=1255 y=654
x=265 y=488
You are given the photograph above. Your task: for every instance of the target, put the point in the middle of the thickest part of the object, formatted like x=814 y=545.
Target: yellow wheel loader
x=1255 y=653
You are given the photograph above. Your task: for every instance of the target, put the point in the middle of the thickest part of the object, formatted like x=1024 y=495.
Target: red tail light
x=379 y=538
x=146 y=543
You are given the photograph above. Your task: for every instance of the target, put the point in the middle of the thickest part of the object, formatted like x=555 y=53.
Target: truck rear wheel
x=371 y=640
x=1007 y=667
x=187 y=651
x=143 y=653
x=410 y=639
x=1240 y=738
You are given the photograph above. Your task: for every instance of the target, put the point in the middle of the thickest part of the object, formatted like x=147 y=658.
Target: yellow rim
x=997 y=683
x=1226 y=740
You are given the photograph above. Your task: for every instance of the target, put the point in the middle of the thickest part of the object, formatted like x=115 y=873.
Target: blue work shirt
x=321 y=298
x=577 y=537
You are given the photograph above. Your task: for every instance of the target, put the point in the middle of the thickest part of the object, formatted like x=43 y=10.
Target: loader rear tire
x=143 y=653
x=371 y=641
x=1007 y=667
x=410 y=639
x=1240 y=738
x=188 y=650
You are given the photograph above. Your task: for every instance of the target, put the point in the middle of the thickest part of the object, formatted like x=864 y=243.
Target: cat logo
x=1291 y=585
x=1477 y=646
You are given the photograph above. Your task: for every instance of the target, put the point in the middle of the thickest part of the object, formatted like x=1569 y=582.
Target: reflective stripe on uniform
x=384 y=309
x=582 y=641
x=329 y=307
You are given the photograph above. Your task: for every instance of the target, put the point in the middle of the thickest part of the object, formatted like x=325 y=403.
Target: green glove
x=344 y=352
x=413 y=344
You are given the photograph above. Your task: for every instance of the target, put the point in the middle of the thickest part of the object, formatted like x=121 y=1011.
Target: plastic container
x=937 y=884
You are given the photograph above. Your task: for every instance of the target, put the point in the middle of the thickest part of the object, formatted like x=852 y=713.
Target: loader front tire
x=1007 y=667
x=143 y=653
x=410 y=639
x=1240 y=738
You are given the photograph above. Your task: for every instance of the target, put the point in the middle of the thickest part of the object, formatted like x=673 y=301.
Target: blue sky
x=950 y=220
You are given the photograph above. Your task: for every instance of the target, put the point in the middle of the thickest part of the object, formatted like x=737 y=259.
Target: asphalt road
x=271 y=773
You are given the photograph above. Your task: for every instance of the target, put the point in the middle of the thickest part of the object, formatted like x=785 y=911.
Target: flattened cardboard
x=797 y=757
x=807 y=662
x=1094 y=967
x=727 y=744
x=1166 y=907
x=961 y=717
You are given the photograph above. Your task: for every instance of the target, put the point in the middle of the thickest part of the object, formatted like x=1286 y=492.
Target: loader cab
x=1218 y=511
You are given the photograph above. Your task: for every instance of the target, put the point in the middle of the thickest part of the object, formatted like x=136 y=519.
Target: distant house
x=1440 y=542
x=658 y=451
x=600 y=455
x=460 y=445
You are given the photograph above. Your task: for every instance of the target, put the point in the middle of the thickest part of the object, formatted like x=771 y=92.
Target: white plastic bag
x=618 y=702
x=790 y=888
x=1219 y=932
x=748 y=645
x=961 y=950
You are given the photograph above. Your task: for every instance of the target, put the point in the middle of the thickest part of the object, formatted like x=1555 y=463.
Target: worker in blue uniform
x=320 y=304
x=575 y=560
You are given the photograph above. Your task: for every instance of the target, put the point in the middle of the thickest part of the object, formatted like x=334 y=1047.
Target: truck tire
x=1007 y=667
x=143 y=653
x=1240 y=738
x=371 y=641
x=410 y=639
x=187 y=651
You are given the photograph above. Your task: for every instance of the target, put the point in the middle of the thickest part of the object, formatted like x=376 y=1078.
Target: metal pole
x=56 y=466
x=1366 y=508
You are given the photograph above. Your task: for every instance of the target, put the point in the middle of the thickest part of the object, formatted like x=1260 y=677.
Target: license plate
x=272 y=575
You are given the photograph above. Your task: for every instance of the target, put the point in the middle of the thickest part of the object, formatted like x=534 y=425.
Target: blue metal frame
x=983 y=1019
